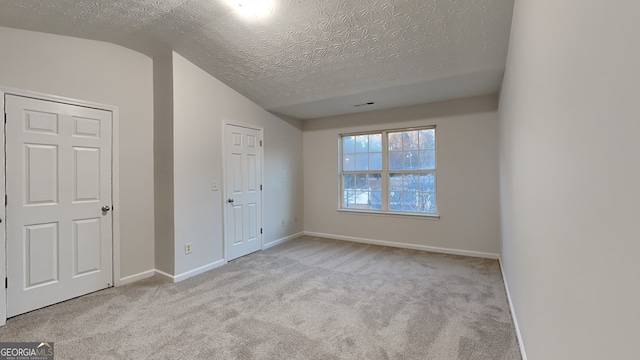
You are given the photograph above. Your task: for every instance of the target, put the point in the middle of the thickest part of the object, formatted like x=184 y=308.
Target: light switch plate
x=214 y=186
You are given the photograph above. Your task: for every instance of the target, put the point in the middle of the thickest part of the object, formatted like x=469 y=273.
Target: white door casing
x=243 y=194
x=58 y=238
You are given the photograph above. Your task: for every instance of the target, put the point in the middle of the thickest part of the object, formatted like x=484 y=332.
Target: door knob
x=230 y=201
x=106 y=208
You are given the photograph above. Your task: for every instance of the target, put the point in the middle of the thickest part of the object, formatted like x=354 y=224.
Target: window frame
x=385 y=173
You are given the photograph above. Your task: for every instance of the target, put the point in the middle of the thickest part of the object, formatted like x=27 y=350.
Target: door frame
x=225 y=214
x=115 y=182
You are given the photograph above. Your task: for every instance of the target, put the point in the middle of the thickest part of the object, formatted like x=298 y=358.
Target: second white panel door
x=243 y=191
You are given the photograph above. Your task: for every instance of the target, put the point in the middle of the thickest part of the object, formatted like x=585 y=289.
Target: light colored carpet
x=309 y=298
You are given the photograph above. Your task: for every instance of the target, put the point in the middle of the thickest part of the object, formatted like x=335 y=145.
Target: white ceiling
x=306 y=59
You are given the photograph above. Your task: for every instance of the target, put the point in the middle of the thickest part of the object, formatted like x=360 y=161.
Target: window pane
x=395 y=200
x=427 y=202
x=362 y=162
x=411 y=182
x=410 y=201
x=362 y=143
x=427 y=182
x=375 y=194
x=349 y=191
x=412 y=192
x=375 y=161
x=427 y=139
x=349 y=162
x=375 y=142
x=349 y=198
x=348 y=144
x=395 y=141
x=404 y=150
x=375 y=182
x=395 y=191
x=396 y=160
x=410 y=140
x=361 y=191
x=396 y=182
x=411 y=160
x=348 y=181
x=375 y=200
x=428 y=159
x=362 y=182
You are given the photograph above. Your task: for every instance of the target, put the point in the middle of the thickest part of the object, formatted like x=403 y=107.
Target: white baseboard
x=513 y=312
x=136 y=277
x=190 y=273
x=280 y=241
x=406 y=246
x=197 y=271
x=164 y=275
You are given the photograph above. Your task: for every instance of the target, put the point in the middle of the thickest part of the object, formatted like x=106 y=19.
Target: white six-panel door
x=242 y=189
x=59 y=237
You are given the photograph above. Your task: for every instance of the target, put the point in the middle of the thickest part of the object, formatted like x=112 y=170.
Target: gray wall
x=467 y=177
x=163 y=161
x=570 y=174
x=108 y=74
x=201 y=105
x=179 y=150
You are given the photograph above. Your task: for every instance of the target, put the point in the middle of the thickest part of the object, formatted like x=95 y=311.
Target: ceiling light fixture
x=252 y=8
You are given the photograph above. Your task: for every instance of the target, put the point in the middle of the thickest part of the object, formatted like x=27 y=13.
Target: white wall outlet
x=214 y=186
x=187 y=248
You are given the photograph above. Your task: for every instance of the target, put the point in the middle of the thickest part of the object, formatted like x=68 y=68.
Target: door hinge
x=260 y=230
x=260 y=187
x=5 y=118
x=260 y=143
x=6 y=283
x=5 y=200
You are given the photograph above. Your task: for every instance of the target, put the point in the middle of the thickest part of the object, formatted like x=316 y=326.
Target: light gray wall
x=570 y=174
x=163 y=161
x=467 y=177
x=201 y=104
x=108 y=74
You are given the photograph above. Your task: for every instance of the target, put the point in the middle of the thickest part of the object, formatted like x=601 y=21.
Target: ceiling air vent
x=364 y=104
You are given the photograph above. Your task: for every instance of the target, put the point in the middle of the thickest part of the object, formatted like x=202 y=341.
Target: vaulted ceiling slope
x=306 y=58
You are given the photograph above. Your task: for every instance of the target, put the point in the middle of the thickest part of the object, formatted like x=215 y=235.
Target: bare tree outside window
x=389 y=171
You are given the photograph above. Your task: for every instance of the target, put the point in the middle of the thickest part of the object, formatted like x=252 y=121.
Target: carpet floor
x=309 y=298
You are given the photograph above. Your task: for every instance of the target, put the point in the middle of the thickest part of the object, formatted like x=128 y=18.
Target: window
x=391 y=171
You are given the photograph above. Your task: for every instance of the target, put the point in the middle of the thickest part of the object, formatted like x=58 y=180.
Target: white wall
x=570 y=175
x=201 y=104
x=108 y=74
x=467 y=177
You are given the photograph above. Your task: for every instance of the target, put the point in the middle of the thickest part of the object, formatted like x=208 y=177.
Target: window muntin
x=362 y=152
x=389 y=171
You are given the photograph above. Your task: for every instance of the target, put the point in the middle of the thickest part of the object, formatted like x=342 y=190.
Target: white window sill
x=432 y=216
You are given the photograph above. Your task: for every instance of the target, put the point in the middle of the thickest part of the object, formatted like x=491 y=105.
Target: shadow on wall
x=296 y=123
x=472 y=105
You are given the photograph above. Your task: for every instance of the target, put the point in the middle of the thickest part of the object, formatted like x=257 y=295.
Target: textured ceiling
x=306 y=58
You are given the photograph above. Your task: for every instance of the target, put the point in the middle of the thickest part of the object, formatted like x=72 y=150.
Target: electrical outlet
x=187 y=248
